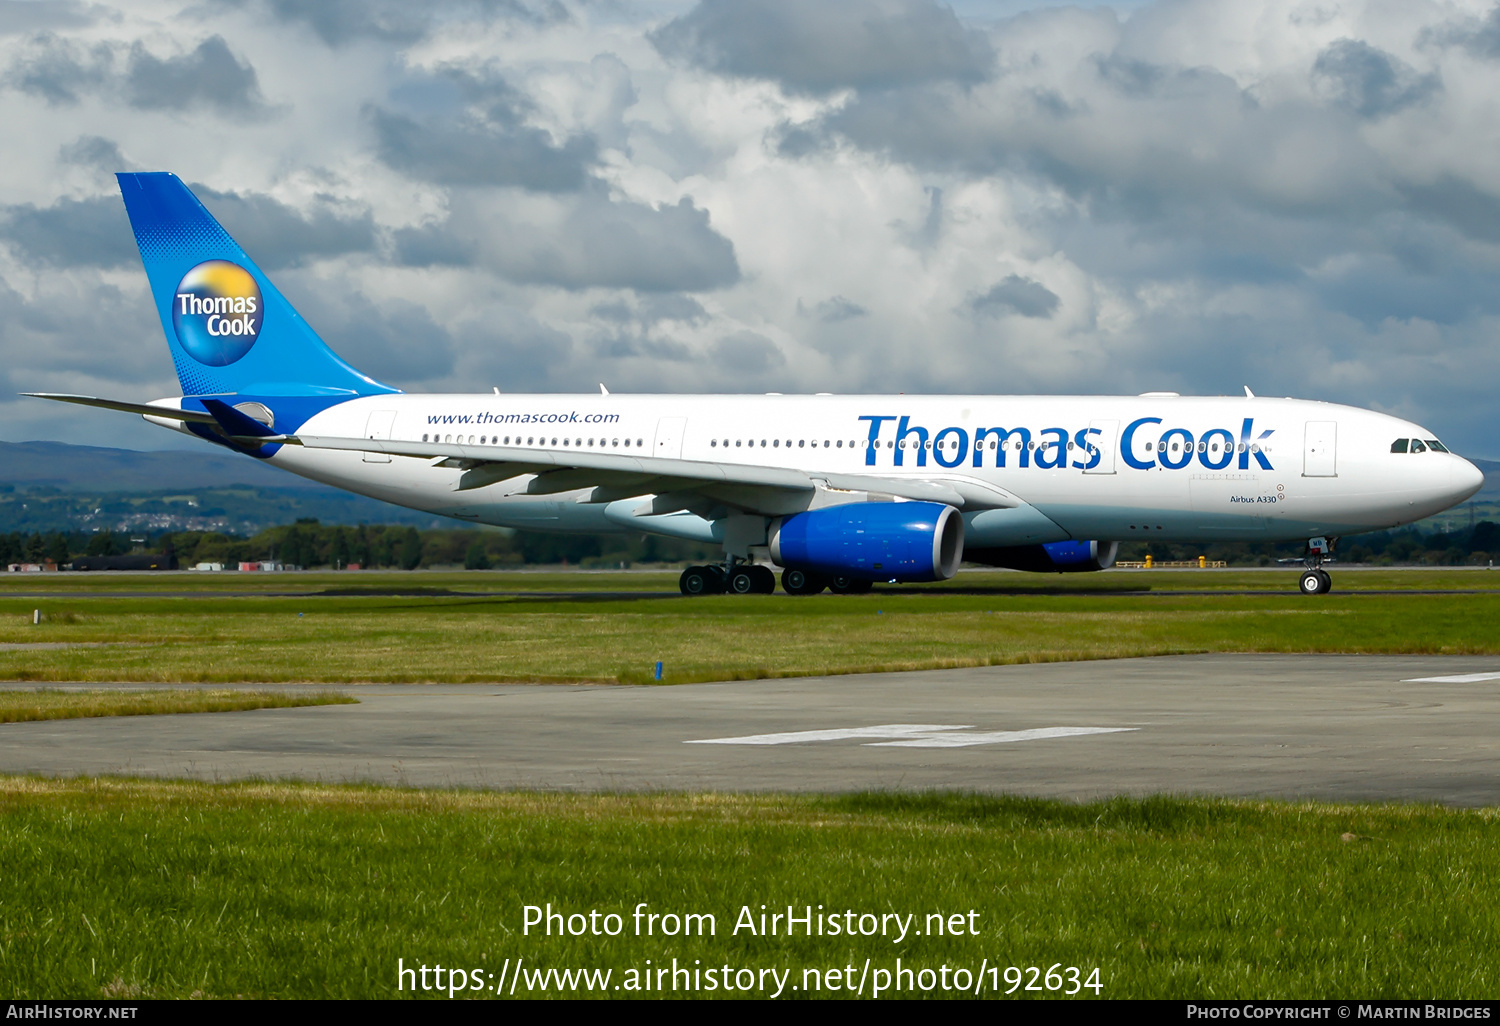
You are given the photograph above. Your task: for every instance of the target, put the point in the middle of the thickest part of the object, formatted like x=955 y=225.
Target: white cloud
x=1295 y=194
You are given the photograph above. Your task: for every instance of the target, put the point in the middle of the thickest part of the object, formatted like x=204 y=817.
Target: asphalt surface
x=1335 y=727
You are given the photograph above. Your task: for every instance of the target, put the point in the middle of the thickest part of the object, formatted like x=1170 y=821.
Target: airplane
x=840 y=491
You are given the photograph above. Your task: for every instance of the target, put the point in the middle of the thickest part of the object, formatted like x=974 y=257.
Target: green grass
x=614 y=627
x=123 y=888
x=54 y=704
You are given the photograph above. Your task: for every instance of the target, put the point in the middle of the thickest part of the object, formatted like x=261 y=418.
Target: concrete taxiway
x=1335 y=727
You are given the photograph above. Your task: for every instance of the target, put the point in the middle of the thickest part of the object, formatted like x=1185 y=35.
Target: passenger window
x=1436 y=446
x=1417 y=446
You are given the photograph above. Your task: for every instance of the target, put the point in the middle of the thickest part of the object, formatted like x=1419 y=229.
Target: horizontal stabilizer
x=144 y=409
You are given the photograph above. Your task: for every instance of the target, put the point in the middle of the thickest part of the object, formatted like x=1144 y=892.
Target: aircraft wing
x=696 y=485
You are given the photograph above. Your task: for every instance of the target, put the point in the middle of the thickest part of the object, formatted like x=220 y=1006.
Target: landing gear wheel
x=741 y=581
x=849 y=585
x=765 y=580
x=696 y=580
x=1314 y=582
x=716 y=577
x=800 y=582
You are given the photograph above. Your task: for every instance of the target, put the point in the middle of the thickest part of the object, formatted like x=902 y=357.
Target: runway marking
x=911 y=735
x=1460 y=678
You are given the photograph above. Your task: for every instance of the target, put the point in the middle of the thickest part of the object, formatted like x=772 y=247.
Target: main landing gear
x=736 y=578
x=1315 y=580
x=804 y=582
x=739 y=578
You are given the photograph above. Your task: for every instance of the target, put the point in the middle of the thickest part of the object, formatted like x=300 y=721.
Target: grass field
x=559 y=627
x=53 y=704
x=134 y=889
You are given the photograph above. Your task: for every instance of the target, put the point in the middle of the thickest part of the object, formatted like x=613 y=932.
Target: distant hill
x=1491 y=468
x=71 y=468
x=53 y=486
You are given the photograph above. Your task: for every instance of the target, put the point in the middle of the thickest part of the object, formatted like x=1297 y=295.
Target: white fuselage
x=1083 y=467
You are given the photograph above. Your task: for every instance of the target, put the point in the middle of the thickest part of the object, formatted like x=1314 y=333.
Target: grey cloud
x=434 y=245
x=96 y=231
x=276 y=235
x=513 y=351
x=88 y=232
x=488 y=144
x=210 y=75
x=652 y=309
x=1457 y=202
x=835 y=44
x=748 y=352
x=341 y=22
x=1014 y=294
x=481 y=154
x=399 y=342
x=597 y=243
x=628 y=245
x=832 y=310
x=1480 y=37
x=634 y=345
x=17 y=16
x=667 y=307
x=60 y=70
x=1370 y=81
x=95 y=153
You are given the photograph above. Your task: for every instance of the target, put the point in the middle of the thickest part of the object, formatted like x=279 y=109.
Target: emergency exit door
x=1320 y=449
x=379 y=427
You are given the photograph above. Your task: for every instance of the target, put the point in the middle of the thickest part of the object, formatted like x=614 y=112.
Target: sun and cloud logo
x=217 y=312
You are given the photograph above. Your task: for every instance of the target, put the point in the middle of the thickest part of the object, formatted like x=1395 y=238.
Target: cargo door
x=1106 y=441
x=669 y=431
x=379 y=426
x=1320 y=448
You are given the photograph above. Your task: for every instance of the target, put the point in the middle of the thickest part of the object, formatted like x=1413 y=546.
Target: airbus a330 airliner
x=839 y=491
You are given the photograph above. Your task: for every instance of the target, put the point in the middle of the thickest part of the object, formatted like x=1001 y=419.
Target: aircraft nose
x=1466 y=479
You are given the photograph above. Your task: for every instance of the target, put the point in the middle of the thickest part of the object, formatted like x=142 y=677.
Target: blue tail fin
x=229 y=330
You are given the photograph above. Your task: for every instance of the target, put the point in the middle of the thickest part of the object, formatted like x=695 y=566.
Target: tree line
x=308 y=543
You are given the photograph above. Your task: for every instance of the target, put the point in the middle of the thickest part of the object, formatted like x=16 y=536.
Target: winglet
x=602 y=389
x=1249 y=394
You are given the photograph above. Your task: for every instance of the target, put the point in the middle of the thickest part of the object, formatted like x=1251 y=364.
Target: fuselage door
x=379 y=426
x=669 y=438
x=1103 y=435
x=1320 y=449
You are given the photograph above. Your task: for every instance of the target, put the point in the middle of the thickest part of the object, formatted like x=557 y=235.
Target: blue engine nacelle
x=872 y=541
x=1051 y=558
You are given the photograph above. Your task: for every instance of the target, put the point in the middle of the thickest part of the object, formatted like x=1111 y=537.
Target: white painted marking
x=897 y=730
x=912 y=735
x=1461 y=678
x=997 y=737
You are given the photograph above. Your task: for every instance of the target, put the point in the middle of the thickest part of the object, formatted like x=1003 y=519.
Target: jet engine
x=1066 y=557
x=872 y=541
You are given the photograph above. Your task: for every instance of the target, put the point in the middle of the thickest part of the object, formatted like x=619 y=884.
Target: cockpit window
x=1400 y=444
x=1417 y=446
x=1436 y=446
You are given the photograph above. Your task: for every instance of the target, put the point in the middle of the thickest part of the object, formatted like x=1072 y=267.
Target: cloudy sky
x=777 y=195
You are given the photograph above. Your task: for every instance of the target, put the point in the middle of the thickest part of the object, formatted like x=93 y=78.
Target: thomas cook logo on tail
x=217 y=312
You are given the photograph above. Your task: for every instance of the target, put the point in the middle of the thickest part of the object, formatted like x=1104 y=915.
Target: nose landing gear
x=1315 y=580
